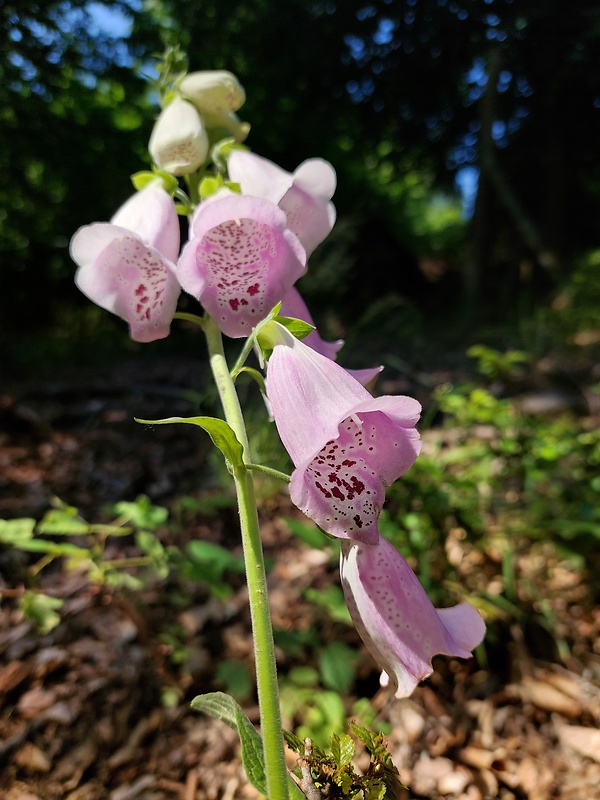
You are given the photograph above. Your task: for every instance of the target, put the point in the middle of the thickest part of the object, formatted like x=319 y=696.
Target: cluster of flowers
x=245 y=252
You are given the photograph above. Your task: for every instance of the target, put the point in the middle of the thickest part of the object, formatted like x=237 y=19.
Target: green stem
x=264 y=649
x=243 y=357
x=274 y=473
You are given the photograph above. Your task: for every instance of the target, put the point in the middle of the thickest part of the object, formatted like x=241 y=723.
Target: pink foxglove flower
x=346 y=445
x=395 y=618
x=179 y=142
x=127 y=265
x=305 y=195
x=293 y=305
x=240 y=261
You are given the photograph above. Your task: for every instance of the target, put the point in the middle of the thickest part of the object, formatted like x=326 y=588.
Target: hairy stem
x=264 y=650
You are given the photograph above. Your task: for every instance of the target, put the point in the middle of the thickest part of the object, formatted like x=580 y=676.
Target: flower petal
x=396 y=619
x=151 y=214
x=317 y=177
x=241 y=261
x=258 y=176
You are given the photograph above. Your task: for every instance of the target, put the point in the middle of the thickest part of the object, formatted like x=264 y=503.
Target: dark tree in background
x=402 y=96
x=71 y=109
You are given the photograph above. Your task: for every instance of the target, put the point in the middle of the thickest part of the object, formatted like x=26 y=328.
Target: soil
x=98 y=707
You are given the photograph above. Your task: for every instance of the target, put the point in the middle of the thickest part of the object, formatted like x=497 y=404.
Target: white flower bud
x=215 y=92
x=179 y=143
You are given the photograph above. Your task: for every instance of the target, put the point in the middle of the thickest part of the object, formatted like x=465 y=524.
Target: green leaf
x=63 y=522
x=294 y=743
x=142 y=513
x=307 y=532
x=16 y=532
x=331 y=598
x=219 y=431
x=218 y=558
x=235 y=677
x=347 y=748
x=221 y=706
x=337 y=663
x=151 y=546
x=334 y=746
x=41 y=609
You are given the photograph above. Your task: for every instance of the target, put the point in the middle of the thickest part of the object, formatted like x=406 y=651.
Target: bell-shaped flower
x=213 y=92
x=305 y=195
x=240 y=261
x=127 y=265
x=346 y=445
x=293 y=305
x=179 y=142
x=396 y=620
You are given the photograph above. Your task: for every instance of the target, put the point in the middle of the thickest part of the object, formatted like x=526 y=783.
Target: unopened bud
x=215 y=92
x=179 y=143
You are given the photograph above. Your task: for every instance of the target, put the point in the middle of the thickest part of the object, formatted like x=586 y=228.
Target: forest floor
x=98 y=708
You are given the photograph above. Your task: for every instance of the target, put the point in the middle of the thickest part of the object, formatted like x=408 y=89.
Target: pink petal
x=310 y=218
x=396 y=619
x=241 y=261
x=317 y=177
x=258 y=176
x=151 y=214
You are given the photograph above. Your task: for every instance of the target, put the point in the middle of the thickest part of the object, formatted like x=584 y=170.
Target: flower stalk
x=264 y=648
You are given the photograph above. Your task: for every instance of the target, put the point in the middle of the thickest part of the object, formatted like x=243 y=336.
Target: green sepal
x=268 y=335
x=222 y=149
x=221 y=706
x=209 y=185
x=212 y=183
x=141 y=179
x=219 y=431
x=297 y=327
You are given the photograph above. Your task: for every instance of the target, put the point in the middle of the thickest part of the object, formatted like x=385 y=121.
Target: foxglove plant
x=252 y=226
